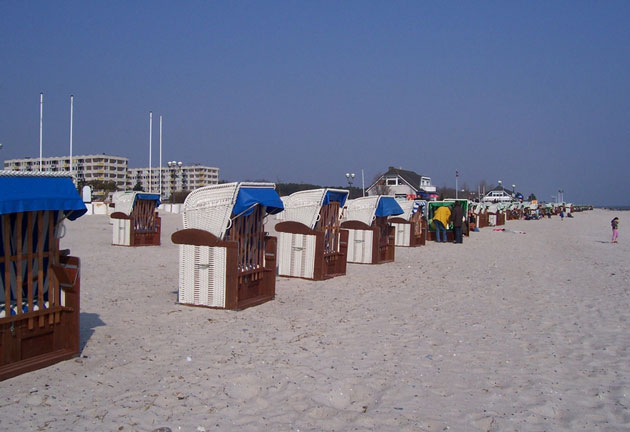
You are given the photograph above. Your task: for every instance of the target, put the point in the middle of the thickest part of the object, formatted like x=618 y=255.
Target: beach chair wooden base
x=43 y=337
x=125 y=234
x=370 y=244
x=209 y=275
x=303 y=253
x=482 y=220
x=408 y=233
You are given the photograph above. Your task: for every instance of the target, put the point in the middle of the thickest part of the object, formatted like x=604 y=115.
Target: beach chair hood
x=26 y=192
x=248 y=198
x=126 y=201
x=335 y=195
x=304 y=206
x=388 y=206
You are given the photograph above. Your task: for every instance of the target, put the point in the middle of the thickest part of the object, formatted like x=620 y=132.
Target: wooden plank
x=52 y=294
x=18 y=257
x=40 y=263
x=6 y=232
x=30 y=226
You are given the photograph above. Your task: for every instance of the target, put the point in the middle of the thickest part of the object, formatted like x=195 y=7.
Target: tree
x=531 y=197
x=101 y=188
x=381 y=188
x=138 y=187
x=180 y=196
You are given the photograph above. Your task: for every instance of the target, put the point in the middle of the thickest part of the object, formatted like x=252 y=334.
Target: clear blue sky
x=534 y=93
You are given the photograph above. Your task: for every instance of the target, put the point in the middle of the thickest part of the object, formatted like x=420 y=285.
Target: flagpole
x=456 y=189
x=71 y=118
x=41 y=122
x=150 y=144
x=160 y=157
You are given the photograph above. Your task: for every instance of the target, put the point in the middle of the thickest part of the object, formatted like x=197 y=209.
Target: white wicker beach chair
x=409 y=228
x=135 y=220
x=311 y=244
x=370 y=238
x=226 y=261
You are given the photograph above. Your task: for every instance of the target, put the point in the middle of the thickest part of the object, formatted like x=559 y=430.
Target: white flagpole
x=150 y=144
x=71 y=117
x=41 y=123
x=160 y=157
x=456 y=190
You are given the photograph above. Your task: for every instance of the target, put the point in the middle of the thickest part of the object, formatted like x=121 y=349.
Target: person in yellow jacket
x=441 y=216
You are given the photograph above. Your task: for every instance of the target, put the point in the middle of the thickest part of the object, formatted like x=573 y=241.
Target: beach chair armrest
x=196 y=237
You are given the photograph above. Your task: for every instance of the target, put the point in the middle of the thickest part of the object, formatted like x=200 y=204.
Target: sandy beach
x=506 y=332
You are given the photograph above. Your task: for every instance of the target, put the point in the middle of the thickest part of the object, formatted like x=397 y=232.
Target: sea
x=614 y=207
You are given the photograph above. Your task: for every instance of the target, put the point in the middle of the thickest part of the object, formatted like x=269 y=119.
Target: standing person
x=561 y=215
x=441 y=217
x=615 y=228
x=457 y=217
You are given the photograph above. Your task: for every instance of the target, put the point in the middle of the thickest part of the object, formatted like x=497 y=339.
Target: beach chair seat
x=370 y=236
x=135 y=220
x=311 y=243
x=226 y=259
x=39 y=284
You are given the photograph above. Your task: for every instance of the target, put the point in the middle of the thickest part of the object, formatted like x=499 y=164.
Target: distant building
x=403 y=184
x=87 y=168
x=108 y=168
x=173 y=179
x=498 y=195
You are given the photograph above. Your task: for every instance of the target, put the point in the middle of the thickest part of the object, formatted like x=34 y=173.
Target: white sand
x=507 y=332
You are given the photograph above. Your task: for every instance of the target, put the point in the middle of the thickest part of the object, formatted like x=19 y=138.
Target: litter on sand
x=509 y=231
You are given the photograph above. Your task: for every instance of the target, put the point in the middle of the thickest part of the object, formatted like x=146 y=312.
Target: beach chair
x=410 y=228
x=39 y=283
x=311 y=243
x=225 y=258
x=370 y=236
x=481 y=212
x=431 y=207
x=464 y=205
x=135 y=219
x=496 y=215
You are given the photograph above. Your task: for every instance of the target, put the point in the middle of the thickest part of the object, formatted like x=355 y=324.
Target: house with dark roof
x=403 y=184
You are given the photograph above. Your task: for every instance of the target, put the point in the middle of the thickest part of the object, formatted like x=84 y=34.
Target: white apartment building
x=173 y=179
x=86 y=168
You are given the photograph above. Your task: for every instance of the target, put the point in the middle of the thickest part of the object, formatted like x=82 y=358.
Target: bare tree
x=380 y=188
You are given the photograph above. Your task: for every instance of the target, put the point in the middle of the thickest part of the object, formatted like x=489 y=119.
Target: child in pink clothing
x=615 y=227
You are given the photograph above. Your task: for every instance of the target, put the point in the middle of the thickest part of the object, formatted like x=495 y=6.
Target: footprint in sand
x=243 y=388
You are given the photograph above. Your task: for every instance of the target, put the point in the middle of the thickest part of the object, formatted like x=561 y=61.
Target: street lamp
x=350 y=177
x=513 y=190
x=500 y=184
x=174 y=167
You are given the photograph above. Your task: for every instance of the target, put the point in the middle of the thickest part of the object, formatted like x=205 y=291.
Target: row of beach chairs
x=227 y=260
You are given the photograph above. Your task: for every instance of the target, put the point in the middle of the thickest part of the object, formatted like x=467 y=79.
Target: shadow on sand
x=89 y=321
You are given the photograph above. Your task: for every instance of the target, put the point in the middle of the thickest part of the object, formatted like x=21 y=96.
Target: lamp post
x=174 y=167
x=350 y=178
x=513 y=191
